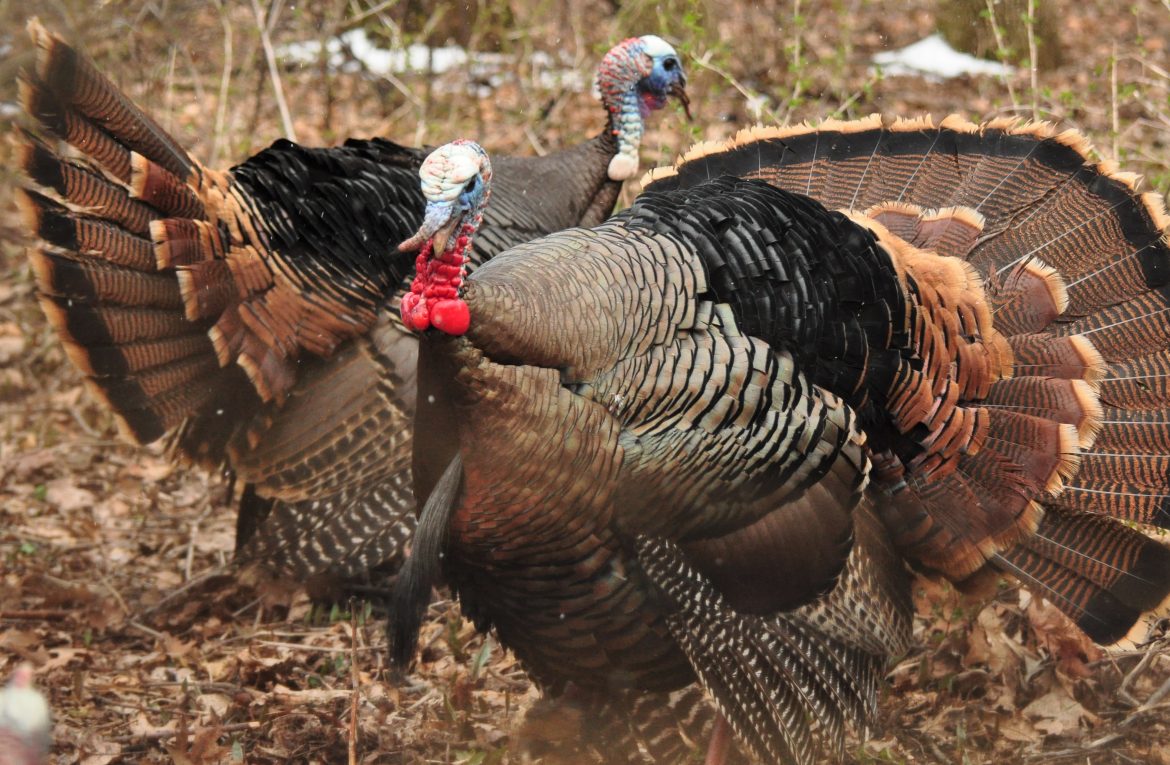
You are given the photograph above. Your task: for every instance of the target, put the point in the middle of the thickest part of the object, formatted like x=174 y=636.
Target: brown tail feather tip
x=42 y=38
x=30 y=211
x=42 y=270
x=1090 y=426
x=1070 y=459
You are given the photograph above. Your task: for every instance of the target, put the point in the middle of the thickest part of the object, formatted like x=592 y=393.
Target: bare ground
x=115 y=576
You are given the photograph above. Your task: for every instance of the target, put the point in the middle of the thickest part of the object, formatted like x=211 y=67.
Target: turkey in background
x=239 y=313
x=704 y=440
x=25 y=722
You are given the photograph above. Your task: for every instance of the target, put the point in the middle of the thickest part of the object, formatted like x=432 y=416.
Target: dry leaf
x=1071 y=647
x=67 y=497
x=1056 y=713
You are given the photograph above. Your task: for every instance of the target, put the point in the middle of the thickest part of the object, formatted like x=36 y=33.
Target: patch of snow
x=354 y=50
x=935 y=60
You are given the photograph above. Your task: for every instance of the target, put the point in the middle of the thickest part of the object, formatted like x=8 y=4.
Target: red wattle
x=434 y=299
x=414 y=312
x=451 y=316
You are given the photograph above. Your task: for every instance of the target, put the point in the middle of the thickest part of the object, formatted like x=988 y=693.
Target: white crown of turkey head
x=25 y=722
x=635 y=77
x=456 y=181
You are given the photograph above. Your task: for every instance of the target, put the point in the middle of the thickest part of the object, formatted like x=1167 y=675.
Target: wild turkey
x=25 y=723
x=701 y=440
x=240 y=311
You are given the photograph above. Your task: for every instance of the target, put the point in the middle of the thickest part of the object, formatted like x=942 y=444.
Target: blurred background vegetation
x=202 y=66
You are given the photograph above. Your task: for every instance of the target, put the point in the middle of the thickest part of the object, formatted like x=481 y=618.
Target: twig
x=534 y=142
x=180 y=592
x=225 y=80
x=1114 y=117
x=158 y=735
x=857 y=94
x=357 y=20
x=1123 y=690
x=189 y=558
x=244 y=608
x=152 y=632
x=311 y=648
x=354 y=678
x=1030 y=29
x=81 y=423
x=1155 y=697
x=273 y=72
x=117 y=595
x=704 y=62
x=169 y=99
x=1001 y=47
x=37 y=613
x=797 y=64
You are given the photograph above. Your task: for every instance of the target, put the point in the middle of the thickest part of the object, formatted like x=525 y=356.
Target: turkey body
x=240 y=312
x=576 y=372
x=703 y=440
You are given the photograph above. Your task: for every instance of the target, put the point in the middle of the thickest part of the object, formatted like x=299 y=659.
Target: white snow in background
x=935 y=60
x=490 y=68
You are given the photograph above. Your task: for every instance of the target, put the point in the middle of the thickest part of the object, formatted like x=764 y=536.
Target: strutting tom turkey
x=702 y=441
x=241 y=311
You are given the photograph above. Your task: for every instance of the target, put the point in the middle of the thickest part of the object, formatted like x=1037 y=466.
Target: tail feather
x=1052 y=399
x=1028 y=299
x=99 y=282
x=131 y=358
x=79 y=83
x=207 y=289
x=160 y=188
x=1137 y=385
x=71 y=127
x=183 y=241
x=1126 y=331
x=1042 y=355
x=73 y=231
x=84 y=188
x=88 y=325
x=1104 y=575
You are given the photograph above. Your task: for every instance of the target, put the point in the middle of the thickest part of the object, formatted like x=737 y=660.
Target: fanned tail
x=221 y=309
x=1067 y=446
x=118 y=310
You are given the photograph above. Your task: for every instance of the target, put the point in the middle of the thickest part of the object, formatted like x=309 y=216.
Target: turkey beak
x=678 y=89
x=439 y=221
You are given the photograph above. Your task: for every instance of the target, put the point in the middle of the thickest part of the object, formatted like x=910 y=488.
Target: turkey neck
x=535 y=195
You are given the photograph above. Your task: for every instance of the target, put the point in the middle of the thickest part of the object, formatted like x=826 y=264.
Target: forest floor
x=115 y=572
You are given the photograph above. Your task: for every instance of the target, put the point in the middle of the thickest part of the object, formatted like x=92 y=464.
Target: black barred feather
x=779 y=682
